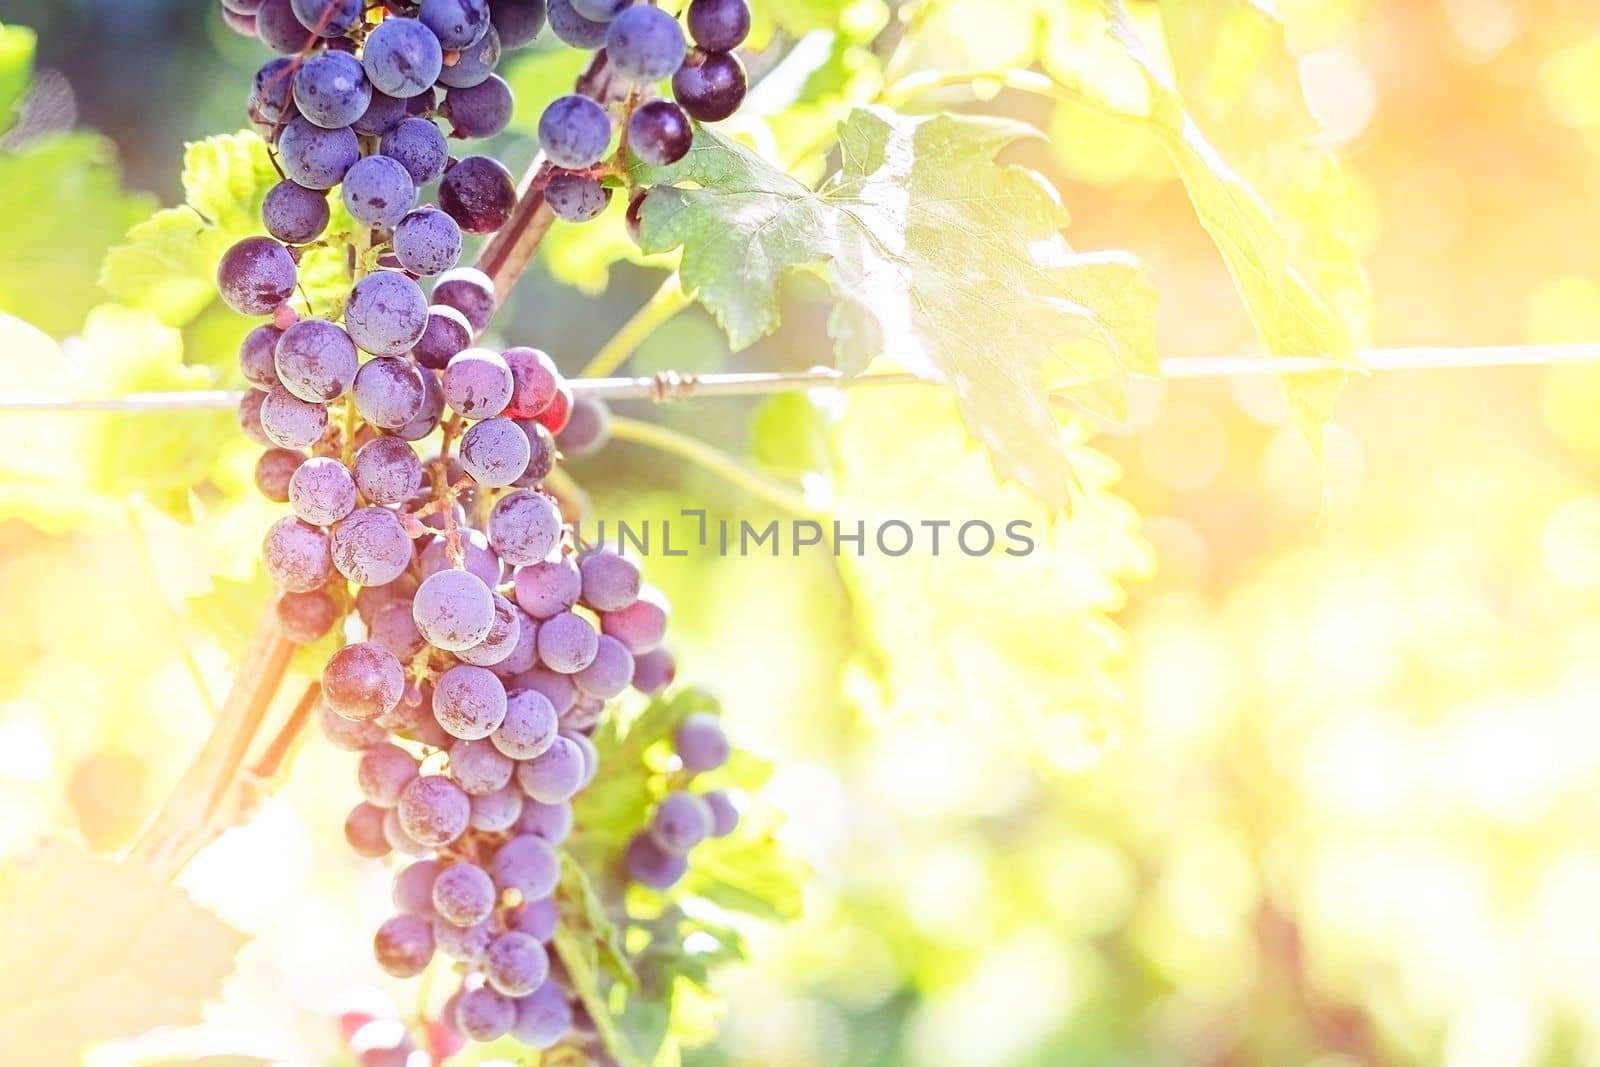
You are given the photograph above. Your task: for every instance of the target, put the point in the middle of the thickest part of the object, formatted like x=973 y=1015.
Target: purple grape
x=427 y=241
x=389 y=392
x=403 y=58
x=549 y=587
x=430 y=416
x=463 y=895
x=559 y=689
x=479 y=768
x=529 y=727
x=328 y=18
x=584 y=714
x=700 y=743
x=641 y=626
x=470 y=292
x=417 y=145
x=543 y=1017
x=454 y=609
x=386 y=469
x=610 y=581
x=534 y=379
x=394 y=629
x=294 y=214
x=645 y=44
x=306 y=617
x=315 y=157
x=477 y=384
x=256 y=356
x=474 y=65
x=659 y=133
x=524 y=527
x=404 y=944
x=573 y=28
x=331 y=90
x=724 y=816
x=278 y=28
x=363 y=681
x=399 y=840
x=469 y=702
x=343 y=733
x=494 y=452
x=296 y=556
x=434 y=811
x=555 y=774
x=527 y=864
x=457 y=23
x=481 y=110
x=586 y=748
x=479 y=194
x=653 y=671
x=256 y=276
x=542 y=454
x=524 y=651
x=710 y=86
x=497 y=811
x=681 y=821
x=448 y=332
x=650 y=865
x=413 y=888
x=371 y=547
x=465 y=944
x=484 y=1015
x=386 y=313
x=609 y=673
x=478 y=558
x=416 y=721
x=315 y=360
x=322 y=492
x=383 y=114
x=502 y=637
x=517 y=22
x=552 y=822
x=516 y=964
x=719 y=25
x=383 y=774
x=601 y=10
x=363 y=832
x=576 y=197
x=574 y=132
x=567 y=643
x=272 y=93
x=536 y=918
x=378 y=191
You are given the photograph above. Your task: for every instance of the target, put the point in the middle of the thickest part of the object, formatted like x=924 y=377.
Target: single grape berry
x=457 y=23
x=363 y=681
x=256 y=353
x=404 y=945
x=386 y=313
x=710 y=86
x=383 y=114
x=574 y=131
x=524 y=527
x=469 y=291
x=654 y=671
x=559 y=412
x=724 y=816
x=383 y=773
x=427 y=241
x=378 y=191
x=274 y=468
x=515 y=964
x=610 y=581
x=651 y=865
x=389 y=392
x=296 y=555
x=315 y=157
x=719 y=25
x=417 y=145
x=478 y=193
x=576 y=197
x=434 y=811
x=306 y=617
x=518 y=22
x=363 y=831
x=328 y=18
x=474 y=65
x=659 y=133
x=588 y=430
x=494 y=452
x=331 y=89
x=484 y=1015
x=571 y=27
x=447 y=333
x=549 y=587
x=280 y=30
x=294 y=214
x=463 y=895
x=315 y=360
x=387 y=471
x=700 y=743
x=469 y=702
x=479 y=768
x=681 y=821
x=402 y=57
x=290 y=422
x=271 y=98
x=256 y=275
x=645 y=44
x=454 y=609
x=322 y=491
x=371 y=547
x=503 y=637
x=527 y=864
x=555 y=774
x=481 y=110
x=478 y=384
x=529 y=726
x=543 y=1017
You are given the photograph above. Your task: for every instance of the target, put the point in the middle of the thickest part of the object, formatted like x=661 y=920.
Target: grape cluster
x=659 y=856
x=483 y=642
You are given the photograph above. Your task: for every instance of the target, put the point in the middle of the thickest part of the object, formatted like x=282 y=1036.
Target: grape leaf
x=99 y=950
x=748 y=871
x=16 y=71
x=64 y=205
x=168 y=262
x=941 y=260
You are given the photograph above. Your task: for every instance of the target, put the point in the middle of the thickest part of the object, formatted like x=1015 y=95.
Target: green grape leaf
x=616 y=802
x=1305 y=297
x=586 y=941
x=749 y=871
x=64 y=206
x=949 y=265
x=110 y=951
x=168 y=262
x=789 y=436
x=16 y=71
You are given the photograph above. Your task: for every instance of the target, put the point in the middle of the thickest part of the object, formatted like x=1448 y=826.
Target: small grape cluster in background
x=491 y=641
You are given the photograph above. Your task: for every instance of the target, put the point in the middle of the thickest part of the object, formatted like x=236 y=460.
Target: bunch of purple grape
x=345 y=76
x=658 y=856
